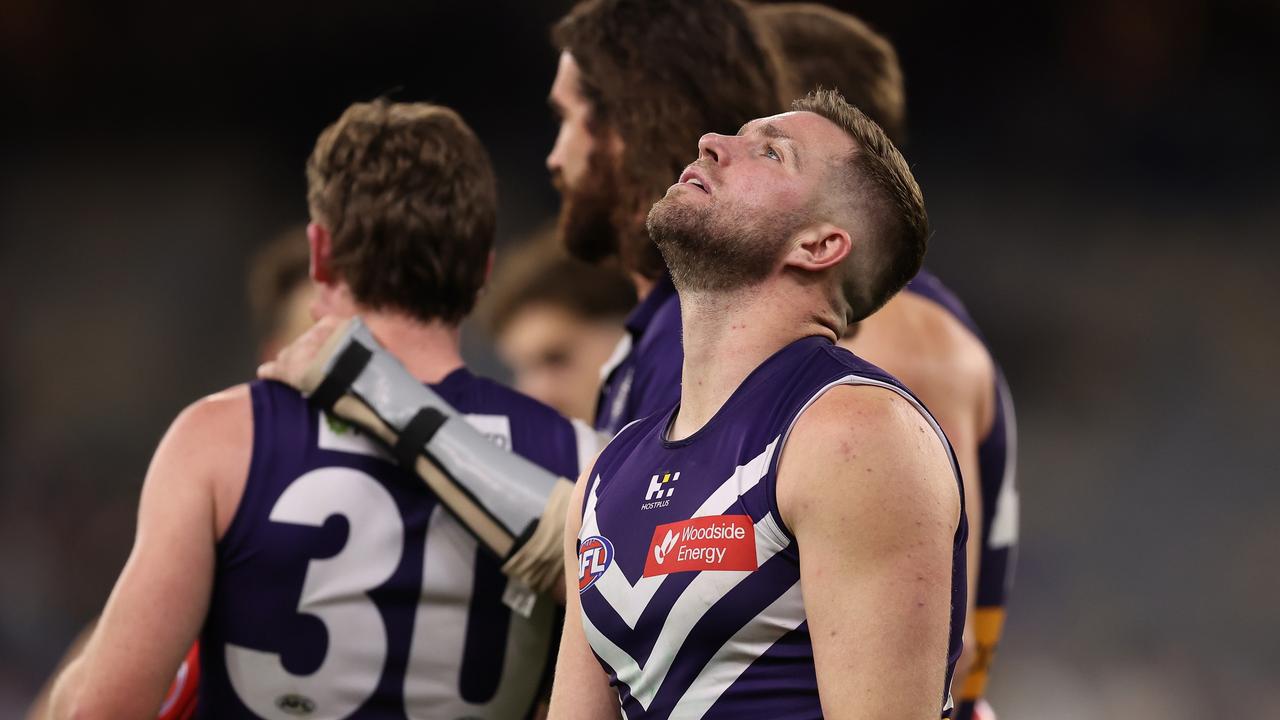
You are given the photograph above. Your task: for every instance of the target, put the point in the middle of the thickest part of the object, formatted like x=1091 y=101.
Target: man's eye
x=772 y=154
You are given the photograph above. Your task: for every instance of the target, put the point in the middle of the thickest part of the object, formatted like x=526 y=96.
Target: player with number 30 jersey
x=343 y=584
x=324 y=580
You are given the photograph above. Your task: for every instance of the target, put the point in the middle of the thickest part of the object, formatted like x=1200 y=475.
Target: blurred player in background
x=788 y=463
x=281 y=293
x=632 y=94
x=329 y=582
x=639 y=81
x=923 y=336
x=555 y=321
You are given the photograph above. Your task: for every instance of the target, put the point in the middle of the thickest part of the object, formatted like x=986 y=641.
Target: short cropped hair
x=822 y=47
x=408 y=196
x=878 y=182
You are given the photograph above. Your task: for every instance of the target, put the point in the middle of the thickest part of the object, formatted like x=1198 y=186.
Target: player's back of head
x=660 y=73
x=408 y=197
x=822 y=47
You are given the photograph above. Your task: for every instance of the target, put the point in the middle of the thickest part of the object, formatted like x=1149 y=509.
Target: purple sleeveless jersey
x=643 y=376
x=344 y=589
x=996 y=462
x=689 y=579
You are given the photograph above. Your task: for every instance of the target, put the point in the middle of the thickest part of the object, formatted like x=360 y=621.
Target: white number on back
x=346 y=678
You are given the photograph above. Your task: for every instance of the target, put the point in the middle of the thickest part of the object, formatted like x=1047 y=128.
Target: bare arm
x=867 y=488
x=948 y=368
x=956 y=383
x=959 y=418
x=581 y=689
x=161 y=597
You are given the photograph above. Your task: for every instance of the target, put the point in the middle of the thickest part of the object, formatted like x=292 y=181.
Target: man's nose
x=714 y=147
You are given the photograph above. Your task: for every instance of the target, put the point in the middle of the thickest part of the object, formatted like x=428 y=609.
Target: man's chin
x=671 y=216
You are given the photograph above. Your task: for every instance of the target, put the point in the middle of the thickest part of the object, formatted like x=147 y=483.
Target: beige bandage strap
x=539 y=562
x=459 y=503
x=529 y=540
x=315 y=372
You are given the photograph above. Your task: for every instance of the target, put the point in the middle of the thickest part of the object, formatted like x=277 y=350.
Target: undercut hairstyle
x=277 y=270
x=408 y=196
x=661 y=73
x=822 y=47
x=878 y=183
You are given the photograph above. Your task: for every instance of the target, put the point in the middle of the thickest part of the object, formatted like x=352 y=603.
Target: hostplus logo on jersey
x=595 y=555
x=661 y=488
x=719 y=542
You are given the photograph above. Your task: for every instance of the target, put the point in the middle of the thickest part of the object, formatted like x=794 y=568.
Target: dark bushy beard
x=714 y=248
x=586 y=212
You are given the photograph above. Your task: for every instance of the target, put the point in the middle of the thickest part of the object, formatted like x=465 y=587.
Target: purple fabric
x=647 y=380
x=758 y=413
x=261 y=564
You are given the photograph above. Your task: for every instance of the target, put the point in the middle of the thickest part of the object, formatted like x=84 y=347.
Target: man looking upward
x=788 y=540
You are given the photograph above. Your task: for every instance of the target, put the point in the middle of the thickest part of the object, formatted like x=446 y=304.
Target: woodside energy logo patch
x=719 y=542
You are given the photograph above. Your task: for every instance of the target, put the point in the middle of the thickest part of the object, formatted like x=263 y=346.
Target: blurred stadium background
x=1103 y=181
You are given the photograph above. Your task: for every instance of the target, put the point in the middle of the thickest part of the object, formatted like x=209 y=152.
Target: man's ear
x=321 y=244
x=819 y=247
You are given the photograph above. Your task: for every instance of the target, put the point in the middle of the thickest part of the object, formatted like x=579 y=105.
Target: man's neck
x=428 y=350
x=726 y=336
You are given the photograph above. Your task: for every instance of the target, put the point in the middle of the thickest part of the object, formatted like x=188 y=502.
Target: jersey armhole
x=260 y=465
x=596 y=478
x=771 y=479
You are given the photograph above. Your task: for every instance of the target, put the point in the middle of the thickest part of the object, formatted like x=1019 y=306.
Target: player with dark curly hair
x=639 y=81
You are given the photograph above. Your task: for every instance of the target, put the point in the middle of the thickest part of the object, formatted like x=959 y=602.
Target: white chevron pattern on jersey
x=735 y=656
x=701 y=593
x=630 y=600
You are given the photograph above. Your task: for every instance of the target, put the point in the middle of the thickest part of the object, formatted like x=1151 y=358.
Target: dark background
x=1103 y=182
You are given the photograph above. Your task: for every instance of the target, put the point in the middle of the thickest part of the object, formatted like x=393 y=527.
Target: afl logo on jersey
x=595 y=555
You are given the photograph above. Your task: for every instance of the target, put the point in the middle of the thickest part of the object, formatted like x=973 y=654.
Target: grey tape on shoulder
x=511 y=489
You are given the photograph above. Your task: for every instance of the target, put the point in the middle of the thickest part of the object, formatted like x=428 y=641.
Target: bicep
x=160 y=599
x=874 y=511
x=581 y=687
